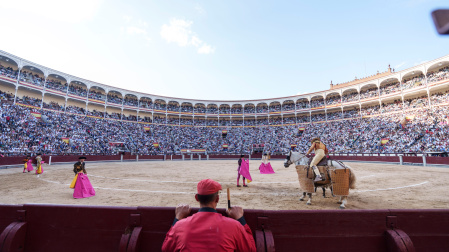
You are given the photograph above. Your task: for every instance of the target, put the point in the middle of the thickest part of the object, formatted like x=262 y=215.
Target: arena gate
x=67 y=228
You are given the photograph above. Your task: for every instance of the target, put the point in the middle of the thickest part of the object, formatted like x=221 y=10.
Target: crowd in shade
x=395 y=126
x=21 y=132
x=56 y=85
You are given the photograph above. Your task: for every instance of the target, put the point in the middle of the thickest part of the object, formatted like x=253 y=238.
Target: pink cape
x=266 y=169
x=244 y=170
x=30 y=165
x=83 y=188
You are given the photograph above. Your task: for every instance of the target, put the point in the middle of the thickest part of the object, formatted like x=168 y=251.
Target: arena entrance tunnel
x=68 y=228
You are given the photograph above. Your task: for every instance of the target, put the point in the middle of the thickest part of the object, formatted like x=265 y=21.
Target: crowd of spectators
x=369 y=93
x=96 y=95
x=351 y=97
x=8 y=72
x=56 y=85
x=288 y=106
x=390 y=88
x=413 y=82
x=130 y=101
x=76 y=90
x=333 y=100
x=317 y=103
x=441 y=74
x=22 y=133
x=302 y=105
x=262 y=109
x=29 y=77
x=113 y=98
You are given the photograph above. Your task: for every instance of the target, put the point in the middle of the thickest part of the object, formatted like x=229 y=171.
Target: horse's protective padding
x=323 y=171
x=340 y=181
x=305 y=180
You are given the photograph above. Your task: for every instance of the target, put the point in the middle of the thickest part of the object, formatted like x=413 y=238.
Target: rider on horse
x=320 y=152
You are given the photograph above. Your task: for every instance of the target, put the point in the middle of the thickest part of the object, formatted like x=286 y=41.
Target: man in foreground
x=208 y=230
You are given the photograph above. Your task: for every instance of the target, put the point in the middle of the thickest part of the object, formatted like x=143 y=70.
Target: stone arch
x=200 y=108
x=212 y=108
x=33 y=75
x=250 y=108
x=390 y=85
x=225 y=109
x=160 y=104
x=131 y=100
x=187 y=107
x=288 y=105
x=115 y=97
x=275 y=106
x=302 y=103
x=78 y=88
x=146 y=102
x=262 y=107
x=237 y=109
x=97 y=93
x=56 y=82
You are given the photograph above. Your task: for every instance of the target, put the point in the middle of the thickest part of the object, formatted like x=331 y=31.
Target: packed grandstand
x=43 y=110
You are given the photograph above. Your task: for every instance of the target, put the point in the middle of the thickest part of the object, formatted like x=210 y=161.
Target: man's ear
x=196 y=197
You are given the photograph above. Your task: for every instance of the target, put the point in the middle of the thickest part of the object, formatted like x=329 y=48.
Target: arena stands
x=410 y=115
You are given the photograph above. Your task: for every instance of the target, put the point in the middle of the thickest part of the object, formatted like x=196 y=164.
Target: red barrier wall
x=74 y=158
x=437 y=160
x=90 y=228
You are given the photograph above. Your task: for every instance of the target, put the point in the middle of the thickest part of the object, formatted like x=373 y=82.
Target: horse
x=301 y=159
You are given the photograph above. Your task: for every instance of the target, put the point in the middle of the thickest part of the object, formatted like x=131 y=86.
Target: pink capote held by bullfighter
x=266 y=168
x=244 y=170
x=83 y=188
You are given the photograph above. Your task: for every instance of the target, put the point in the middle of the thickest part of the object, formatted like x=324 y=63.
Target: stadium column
x=378 y=95
x=43 y=91
x=402 y=92
x=427 y=86
x=87 y=98
x=17 y=84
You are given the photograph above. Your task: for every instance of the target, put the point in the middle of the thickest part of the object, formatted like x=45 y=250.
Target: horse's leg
x=332 y=191
x=309 y=202
x=303 y=196
x=339 y=201
x=343 y=202
x=324 y=192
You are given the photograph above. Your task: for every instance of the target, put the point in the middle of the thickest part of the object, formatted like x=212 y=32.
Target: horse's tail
x=352 y=179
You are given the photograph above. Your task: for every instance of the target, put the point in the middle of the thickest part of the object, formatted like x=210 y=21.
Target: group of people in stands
x=427 y=130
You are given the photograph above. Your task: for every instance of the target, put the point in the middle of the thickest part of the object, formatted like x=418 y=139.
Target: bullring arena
x=392 y=128
x=168 y=183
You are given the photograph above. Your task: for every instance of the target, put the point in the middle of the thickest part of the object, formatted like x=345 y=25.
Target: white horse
x=301 y=159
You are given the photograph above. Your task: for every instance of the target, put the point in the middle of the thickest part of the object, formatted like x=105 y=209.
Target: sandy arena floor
x=158 y=183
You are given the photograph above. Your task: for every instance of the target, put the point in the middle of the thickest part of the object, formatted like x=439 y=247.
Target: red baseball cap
x=208 y=186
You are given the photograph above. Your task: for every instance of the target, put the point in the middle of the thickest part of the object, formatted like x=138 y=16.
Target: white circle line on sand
x=181 y=182
x=265 y=193
x=393 y=188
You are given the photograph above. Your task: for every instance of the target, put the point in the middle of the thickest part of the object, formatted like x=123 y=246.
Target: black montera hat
x=82 y=157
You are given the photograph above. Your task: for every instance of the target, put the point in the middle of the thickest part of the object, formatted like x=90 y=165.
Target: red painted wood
x=134 y=240
x=124 y=243
x=260 y=241
x=269 y=241
x=411 y=159
x=428 y=229
x=75 y=228
x=437 y=160
x=57 y=228
x=15 y=240
x=8 y=215
x=5 y=234
x=395 y=242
